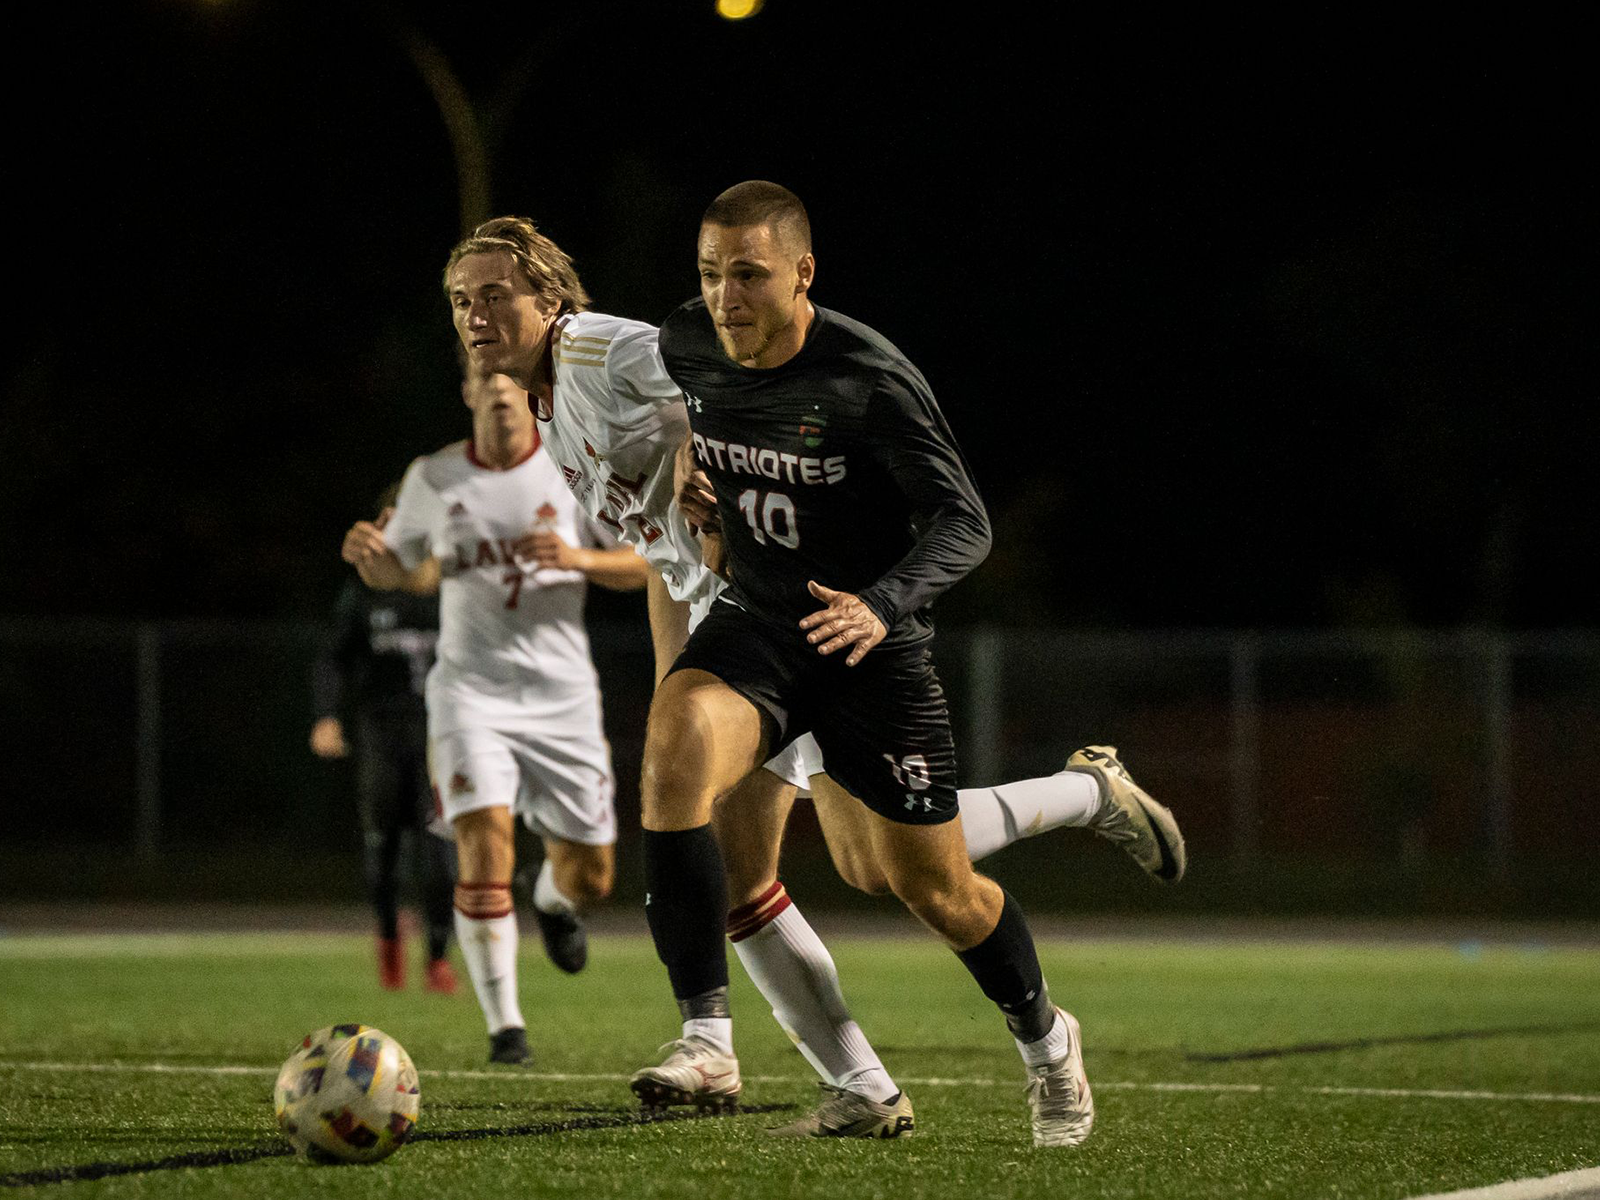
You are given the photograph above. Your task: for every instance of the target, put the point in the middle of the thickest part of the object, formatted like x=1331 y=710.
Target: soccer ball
x=347 y=1094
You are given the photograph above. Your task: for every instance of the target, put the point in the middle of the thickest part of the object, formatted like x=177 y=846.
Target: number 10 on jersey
x=771 y=517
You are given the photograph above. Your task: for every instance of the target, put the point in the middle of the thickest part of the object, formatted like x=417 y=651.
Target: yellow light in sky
x=738 y=10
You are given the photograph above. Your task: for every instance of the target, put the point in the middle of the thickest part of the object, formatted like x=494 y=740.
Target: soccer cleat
x=845 y=1114
x=566 y=942
x=1058 y=1094
x=1130 y=816
x=510 y=1045
x=696 y=1073
x=440 y=977
x=391 y=964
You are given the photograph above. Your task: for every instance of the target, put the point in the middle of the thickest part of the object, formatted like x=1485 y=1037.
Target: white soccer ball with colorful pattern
x=347 y=1094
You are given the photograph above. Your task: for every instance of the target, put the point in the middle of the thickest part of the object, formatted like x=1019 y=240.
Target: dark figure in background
x=372 y=670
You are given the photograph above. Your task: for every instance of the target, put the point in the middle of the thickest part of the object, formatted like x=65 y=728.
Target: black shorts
x=882 y=725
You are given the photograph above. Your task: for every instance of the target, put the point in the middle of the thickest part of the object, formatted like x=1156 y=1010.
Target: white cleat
x=845 y=1114
x=694 y=1073
x=1130 y=816
x=1058 y=1094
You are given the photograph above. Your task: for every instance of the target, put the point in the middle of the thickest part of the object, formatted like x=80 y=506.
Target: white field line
x=1569 y=1185
x=909 y=1080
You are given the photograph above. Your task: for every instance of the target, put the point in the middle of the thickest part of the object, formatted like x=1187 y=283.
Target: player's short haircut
x=758 y=202
x=546 y=266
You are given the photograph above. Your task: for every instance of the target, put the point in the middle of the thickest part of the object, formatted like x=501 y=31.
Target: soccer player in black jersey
x=846 y=509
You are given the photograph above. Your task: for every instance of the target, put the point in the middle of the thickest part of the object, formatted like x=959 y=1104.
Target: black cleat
x=566 y=942
x=510 y=1045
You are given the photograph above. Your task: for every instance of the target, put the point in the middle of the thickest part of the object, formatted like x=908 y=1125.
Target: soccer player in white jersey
x=614 y=420
x=514 y=719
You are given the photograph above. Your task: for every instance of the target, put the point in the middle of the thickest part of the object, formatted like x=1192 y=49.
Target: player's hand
x=544 y=548
x=327 y=738
x=364 y=542
x=692 y=488
x=847 y=621
x=699 y=503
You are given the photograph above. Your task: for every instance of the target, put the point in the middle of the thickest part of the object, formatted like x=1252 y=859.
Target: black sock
x=1006 y=966
x=686 y=904
x=438 y=892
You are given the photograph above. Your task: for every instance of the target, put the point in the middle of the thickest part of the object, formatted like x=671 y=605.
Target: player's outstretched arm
x=918 y=455
x=379 y=567
x=619 y=569
x=847 y=621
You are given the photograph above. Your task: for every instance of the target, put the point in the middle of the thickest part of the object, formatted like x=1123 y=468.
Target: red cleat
x=440 y=978
x=391 y=964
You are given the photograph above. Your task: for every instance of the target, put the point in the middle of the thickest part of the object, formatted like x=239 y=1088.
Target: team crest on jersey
x=547 y=511
x=458 y=509
x=460 y=785
x=811 y=435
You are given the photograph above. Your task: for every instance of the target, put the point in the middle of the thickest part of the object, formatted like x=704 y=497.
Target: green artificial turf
x=1220 y=1067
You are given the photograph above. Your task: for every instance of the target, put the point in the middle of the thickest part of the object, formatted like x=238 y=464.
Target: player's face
x=499 y=318
x=496 y=401
x=754 y=286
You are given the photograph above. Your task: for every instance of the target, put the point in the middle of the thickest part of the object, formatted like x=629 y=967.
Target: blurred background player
x=369 y=678
x=514 y=719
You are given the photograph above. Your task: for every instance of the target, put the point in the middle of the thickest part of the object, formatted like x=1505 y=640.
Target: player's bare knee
x=586 y=877
x=677 y=749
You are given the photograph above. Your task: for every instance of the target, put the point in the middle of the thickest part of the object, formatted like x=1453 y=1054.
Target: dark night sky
x=1238 y=324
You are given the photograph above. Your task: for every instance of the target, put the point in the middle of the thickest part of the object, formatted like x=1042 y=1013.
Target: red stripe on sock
x=490 y=901
x=752 y=918
x=745 y=911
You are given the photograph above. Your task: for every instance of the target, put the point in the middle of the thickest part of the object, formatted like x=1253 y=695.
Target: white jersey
x=512 y=644
x=615 y=423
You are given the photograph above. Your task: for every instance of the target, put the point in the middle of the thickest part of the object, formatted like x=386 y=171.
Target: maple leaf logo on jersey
x=458 y=509
x=547 y=511
x=460 y=784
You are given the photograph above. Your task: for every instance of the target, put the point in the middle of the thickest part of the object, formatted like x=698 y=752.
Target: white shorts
x=798 y=762
x=559 y=782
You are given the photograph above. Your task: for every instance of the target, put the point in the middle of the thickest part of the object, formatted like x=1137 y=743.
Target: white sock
x=993 y=818
x=787 y=961
x=490 y=949
x=1052 y=1047
x=547 y=897
x=715 y=1031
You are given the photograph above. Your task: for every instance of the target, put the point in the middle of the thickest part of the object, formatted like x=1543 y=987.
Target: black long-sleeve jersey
x=377 y=654
x=836 y=466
